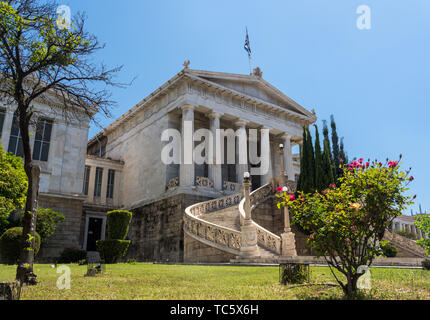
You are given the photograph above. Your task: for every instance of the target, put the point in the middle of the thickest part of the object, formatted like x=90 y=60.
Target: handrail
x=265 y=238
x=212 y=234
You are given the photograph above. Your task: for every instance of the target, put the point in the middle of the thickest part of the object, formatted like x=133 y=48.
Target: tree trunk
x=24 y=272
x=350 y=289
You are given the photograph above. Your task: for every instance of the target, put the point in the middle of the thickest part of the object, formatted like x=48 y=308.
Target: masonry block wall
x=68 y=233
x=267 y=215
x=156 y=231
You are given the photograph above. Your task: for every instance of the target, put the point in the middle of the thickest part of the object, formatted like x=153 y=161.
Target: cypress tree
x=307 y=166
x=327 y=165
x=327 y=140
x=303 y=163
x=343 y=155
x=336 y=151
x=319 y=174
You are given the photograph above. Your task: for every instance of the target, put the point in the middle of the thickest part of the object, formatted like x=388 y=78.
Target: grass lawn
x=168 y=282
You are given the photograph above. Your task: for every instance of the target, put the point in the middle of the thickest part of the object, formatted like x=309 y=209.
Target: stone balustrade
x=206 y=232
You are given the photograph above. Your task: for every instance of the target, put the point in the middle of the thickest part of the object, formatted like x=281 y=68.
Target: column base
x=288 y=245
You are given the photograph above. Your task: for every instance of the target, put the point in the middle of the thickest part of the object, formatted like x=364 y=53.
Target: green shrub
x=10 y=245
x=47 y=220
x=112 y=250
x=72 y=256
x=426 y=264
x=389 y=251
x=118 y=222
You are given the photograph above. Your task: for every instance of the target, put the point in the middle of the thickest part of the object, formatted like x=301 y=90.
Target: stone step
x=226 y=218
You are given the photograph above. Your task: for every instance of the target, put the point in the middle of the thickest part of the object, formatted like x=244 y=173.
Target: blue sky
x=375 y=82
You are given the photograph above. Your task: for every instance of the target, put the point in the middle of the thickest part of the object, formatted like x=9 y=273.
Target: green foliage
x=47 y=220
x=294 y=273
x=336 y=149
x=348 y=222
x=406 y=234
x=426 y=264
x=307 y=175
x=112 y=250
x=13 y=187
x=423 y=224
x=118 y=222
x=319 y=173
x=389 y=251
x=10 y=245
x=72 y=256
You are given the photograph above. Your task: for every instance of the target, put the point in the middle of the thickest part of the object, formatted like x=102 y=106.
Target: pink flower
x=380 y=164
x=361 y=160
x=411 y=178
x=415 y=196
x=367 y=165
x=341 y=160
x=279 y=189
x=393 y=164
x=333 y=186
x=292 y=197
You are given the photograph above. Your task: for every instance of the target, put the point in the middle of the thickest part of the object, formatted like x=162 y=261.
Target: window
x=86 y=180
x=110 y=185
x=2 y=116
x=43 y=139
x=98 y=182
x=15 y=140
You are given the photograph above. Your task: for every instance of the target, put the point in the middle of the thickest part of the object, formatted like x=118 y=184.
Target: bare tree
x=44 y=59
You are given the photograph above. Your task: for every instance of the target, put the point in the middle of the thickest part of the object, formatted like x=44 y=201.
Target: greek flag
x=247 y=45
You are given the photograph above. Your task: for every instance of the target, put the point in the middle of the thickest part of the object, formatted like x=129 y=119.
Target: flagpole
x=250 y=69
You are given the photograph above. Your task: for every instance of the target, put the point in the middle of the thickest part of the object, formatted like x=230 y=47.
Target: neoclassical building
x=159 y=193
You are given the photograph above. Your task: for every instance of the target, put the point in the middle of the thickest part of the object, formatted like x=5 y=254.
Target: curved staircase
x=218 y=224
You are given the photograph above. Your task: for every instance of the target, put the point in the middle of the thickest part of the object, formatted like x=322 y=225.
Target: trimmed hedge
x=112 y=250
x=118 y=222
x=389 y=251
x=10 y=245
x=72 y=256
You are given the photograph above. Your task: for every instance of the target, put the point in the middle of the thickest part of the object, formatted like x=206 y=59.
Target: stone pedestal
x=249 y=247
x=288 y=245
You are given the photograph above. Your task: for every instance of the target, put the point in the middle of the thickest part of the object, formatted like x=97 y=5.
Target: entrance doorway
x=94 y=233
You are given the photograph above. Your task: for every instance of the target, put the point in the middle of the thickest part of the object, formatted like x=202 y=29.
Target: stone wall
x=68 y=233
x=197 y=252
x=267 y=215
x=156 y=230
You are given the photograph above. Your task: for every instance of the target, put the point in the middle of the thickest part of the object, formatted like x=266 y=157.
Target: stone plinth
x=288 y=245
x=249 y=247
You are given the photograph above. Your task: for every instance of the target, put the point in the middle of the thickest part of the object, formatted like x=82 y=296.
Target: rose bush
x=347 y=222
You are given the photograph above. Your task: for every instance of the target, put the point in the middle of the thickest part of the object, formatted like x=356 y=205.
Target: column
x=187 y=169
x=7 y=126
x=269 y=174
x=241 y=151
x=288 y=157
x=91 y=185
x=104 y=185
x=215 y=171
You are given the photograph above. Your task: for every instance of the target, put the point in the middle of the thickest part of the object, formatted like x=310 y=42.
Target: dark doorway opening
x=94 y=233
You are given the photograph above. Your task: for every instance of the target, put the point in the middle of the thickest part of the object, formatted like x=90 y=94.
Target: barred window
x=43 y=140
x=110 y=185
x=98 y=182
x=15 y=140
x=86 y=180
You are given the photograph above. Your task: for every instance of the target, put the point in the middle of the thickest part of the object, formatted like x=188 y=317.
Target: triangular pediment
x=254 y=87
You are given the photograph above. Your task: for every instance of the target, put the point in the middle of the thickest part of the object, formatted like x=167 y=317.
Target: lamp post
x=288 y=247
x=249 y=246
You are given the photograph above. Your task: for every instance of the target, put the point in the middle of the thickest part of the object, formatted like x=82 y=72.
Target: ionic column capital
x=187 y=107
x=240 y=123
x=214 y=115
